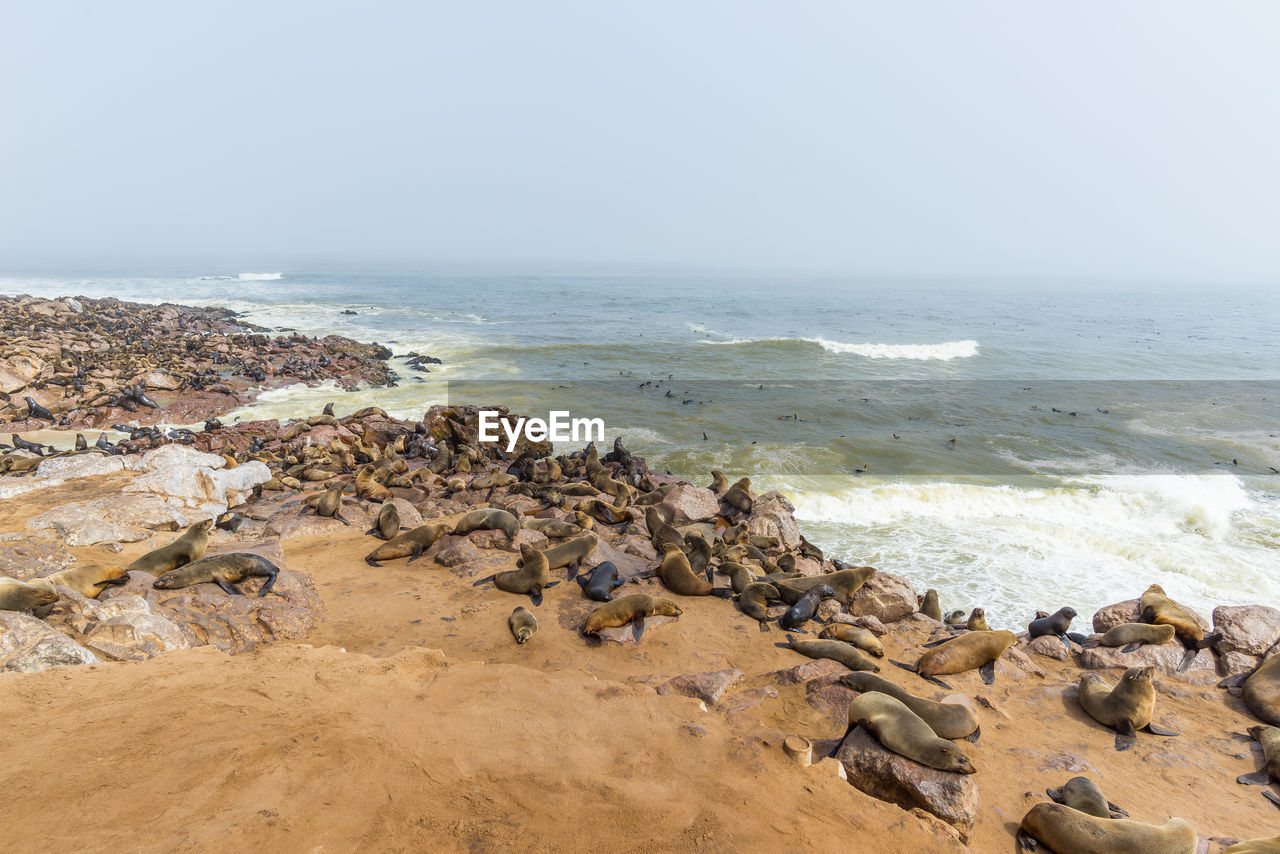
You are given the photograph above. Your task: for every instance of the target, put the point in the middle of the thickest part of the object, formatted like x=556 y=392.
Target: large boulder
x=1251 y=630
x=886 y=596
x=28 y=644
x=122 y=627
x=1165 y=657
x=886 y=775
x=686 y=504
x=772 y=515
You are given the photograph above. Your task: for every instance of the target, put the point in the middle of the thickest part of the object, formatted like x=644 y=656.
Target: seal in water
x=632 y=608
x=902 y=731
x=225 y=570
x=186 y=548
x=523 y=624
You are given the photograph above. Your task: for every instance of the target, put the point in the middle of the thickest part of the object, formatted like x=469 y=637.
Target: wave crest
x=944 y=352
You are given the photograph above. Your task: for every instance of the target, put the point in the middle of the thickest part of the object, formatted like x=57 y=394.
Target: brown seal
x=224 y=570
x=1269 y=738
x=847 y=654
x=532 y=576
x=90 y=580
x=754 y=601
x=328 y=503
x=1126 y=708
x=1255 y=846
x=977 y=621
x=1261 y=693
x=739 y=496
x=183 y=550
x=23 y=596
x=1081 y=793
x=522 y=624
x=677 y=576
x=902 y=731
x=388 y=523
x=1157 y=608
x=1061 y=828
x=863 y=639
x=633 y=608
x=660 y=531
x=410 y=544
x=719 y=483
x=739 y=575
x=570 y=554
x=1130 y=636
x=553 y=528
x=844 y=582
x=367 y=486
x=488 y=519
x=968 y=651
x=947 y=720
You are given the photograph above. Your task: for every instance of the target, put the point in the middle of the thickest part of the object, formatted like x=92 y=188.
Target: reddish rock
x=687 y=504
x=886 y=597
x=707 y=687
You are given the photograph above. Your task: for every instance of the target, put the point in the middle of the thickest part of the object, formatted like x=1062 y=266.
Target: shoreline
x=109 y=509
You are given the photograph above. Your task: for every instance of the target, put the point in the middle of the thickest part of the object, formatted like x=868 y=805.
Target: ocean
x=1018 y=446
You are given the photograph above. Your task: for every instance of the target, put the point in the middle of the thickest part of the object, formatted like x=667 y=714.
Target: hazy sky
x=1107 y=140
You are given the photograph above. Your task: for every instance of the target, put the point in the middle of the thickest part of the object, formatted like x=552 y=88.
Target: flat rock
x=26 y=557
x=626 y=634
x=815 y=668
x=885 y=596
x=893 y=778
x=708 y=687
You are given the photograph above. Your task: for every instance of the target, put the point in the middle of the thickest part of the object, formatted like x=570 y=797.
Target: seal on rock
x=805 y=607
x=183 y=550
x=23 y=596
x=1130 y=636
x=410 y=544
x=632 y=608
x=225 y=570
x=902 y=731
x=1157 y=608
x=1056 y=625
x=947 y=720
x=388 y=524
x=488 y=519
x=89 y=580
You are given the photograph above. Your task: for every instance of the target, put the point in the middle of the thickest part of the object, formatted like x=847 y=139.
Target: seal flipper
x=417 y=553
x=1187 y=657
x=1126 y=736
x=932 y=644
x=910 y=667
x=1117 y=812
x=338 y=516
x=573 y=571
x=637 y=628
x=1130 y=647
x=535 y=595
x=583 y=581
x=1234 y=681
x=988 y=672
x=549 y=585
x=1272 y=796
x=372 y=530
x=124 y=579
x=270 y=575
x=722 y=592
x=1257 y=778
x=936 y=681
x=1208 y=641
x=973 y=737
x=1055 y=795
x=485 y=580
x=1156 y=729
x=1077 y=637
x=1066 y=641
x=227 y=586
x=1027 y=842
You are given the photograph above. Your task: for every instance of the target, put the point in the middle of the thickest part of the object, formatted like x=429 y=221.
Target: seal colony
x=639 y=545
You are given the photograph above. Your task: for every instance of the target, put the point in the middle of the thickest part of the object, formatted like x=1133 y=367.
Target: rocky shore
x=398 y=690
x=91 y=363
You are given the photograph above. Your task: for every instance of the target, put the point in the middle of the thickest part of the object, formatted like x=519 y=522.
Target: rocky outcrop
x=1166 y=658
x=772 y=515
x=28 y=644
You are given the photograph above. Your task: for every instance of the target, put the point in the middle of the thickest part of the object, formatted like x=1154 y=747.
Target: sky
x=1120 y=140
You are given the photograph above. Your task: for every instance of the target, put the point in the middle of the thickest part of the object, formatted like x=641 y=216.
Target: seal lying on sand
x=1126 y=708
x=1062 y=828
x=632 y=608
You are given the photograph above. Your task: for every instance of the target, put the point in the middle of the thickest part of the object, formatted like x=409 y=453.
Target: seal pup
x=660 y=532
x=1062 y=828
x=522 y=624
x=947 y=720
x=845 y=653
x=739 y=575
x=1130 y=636
x=531 y=578
x=1081 y=793
x=410 y=544
x=488 y=519
x=754 y=601
x=388 y=523
x=225 y=570
x=971 y=650
x=570 y=554
x=186 y=548
x=1056 y=625
x=1159 y=609
x=903 y=732
x=600 y=583
x=955 y=618
x=805 y=607
x=630 y=609
x=23 y=596
x=1126 y=708
x=1269 y=738
x=863 y=639
x=699 y=551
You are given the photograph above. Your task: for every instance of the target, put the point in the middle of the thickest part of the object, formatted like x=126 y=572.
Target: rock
x=831 y=700
x=886 y=597
x=1231 y=663
x=28 y=644
x=896 y=779
x=626 y=634
x=809 y=566
x=497 y=540
x=1127 y=612
x=1048 y=646
x=122 y=627
x=160 y=380
x=24 y=557
x=686 y=504
x=287 y=525
x=1166 y=658
x=829 y=609
x=708 y=687
x=816 y=668
x=872 y=624
x=82 y=525
x=1015 y=663
x=455 y=551
x=772 y=515
x=1249 y=629
x=62 y=469
x=628 y=565
x=409 y=515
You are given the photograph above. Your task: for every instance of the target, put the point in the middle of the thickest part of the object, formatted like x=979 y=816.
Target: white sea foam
x=944 y=352
x=259 y=277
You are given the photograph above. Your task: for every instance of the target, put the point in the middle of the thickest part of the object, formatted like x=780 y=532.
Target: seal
x=410 y=544
x=1261 y=692
x=1269 y=738
x=847 y=654
x=1061 y=828
x=978 y=649
x=677 y=576
x=553 y=528
x=719 y=483
x=902 y=731
x=630 y=609
x=488 y=519
x=1057 y=625
x=739 y=575
x=947 y=720
x=531 y=578
x=523 y=624
x=977 y=621
x=90 y=580
x=1126 y=708
x=803 y=609
x=844 y=582
x=388 y=524
x=754 y=601
x=863 y=639
x=570 y=554
x=23 y=596
x=601 y=582
x=1130 y=636
x=699 y=551
x=225 y=570
x=739 y=496
x=367 y=486
x=329 y=502
x=1160 y=610
x=1081 y=793
x=489 y=481
x=659 y=531
x=1255 y=846
x=955 y=618
x=183 y=550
